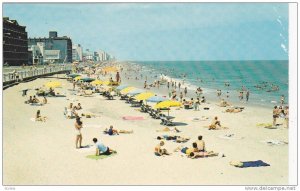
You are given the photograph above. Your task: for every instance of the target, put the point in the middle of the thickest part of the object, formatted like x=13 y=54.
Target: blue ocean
x=266 y=80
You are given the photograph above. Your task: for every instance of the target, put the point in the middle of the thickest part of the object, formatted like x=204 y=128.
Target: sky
x=164 y=31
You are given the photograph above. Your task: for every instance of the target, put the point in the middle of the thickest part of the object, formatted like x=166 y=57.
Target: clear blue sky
x=162 y=31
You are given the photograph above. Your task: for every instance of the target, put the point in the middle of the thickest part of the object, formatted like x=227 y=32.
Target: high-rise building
x=15 y=50
x=77 y=52
x=63 y=44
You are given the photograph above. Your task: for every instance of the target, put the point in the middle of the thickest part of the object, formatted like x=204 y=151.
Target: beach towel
x=133 y=118
x=100 y=156
x=264 y=124
x=247 y=164
x=275 y=142
x=230 y=137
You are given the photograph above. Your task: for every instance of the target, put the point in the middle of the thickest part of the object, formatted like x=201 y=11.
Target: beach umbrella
x=87 y=79
x=126 y=90
x=167 y=104
x=97 y=82
x=144 y=96
x=135 y=92
x=121 y=87
x=156 y=99
x=53 y=84
x=74 y=75
x=106 y=82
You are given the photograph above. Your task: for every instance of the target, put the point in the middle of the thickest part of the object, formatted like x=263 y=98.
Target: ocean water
x=211 y=75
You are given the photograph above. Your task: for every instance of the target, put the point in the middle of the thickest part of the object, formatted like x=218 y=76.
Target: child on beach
x=159 y=151
x=101 y=149
x=38 y=117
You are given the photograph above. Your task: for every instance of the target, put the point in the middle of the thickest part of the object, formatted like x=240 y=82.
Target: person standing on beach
x=179 y=85
x=145 y=84
x=117 y=77
x=276 y=112
x=181 y=96
x=168 y=84
x=241 y=96
x=74 y=84
x=196 y=104
x=78 y=127
x=185 y=91
x=247 y=95
x=175 y=85
x=282 y=100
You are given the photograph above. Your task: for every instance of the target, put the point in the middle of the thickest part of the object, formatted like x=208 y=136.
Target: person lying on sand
x=194 y=155
x=233 y=110
x=186 y=150
x=101 y=149
x=167 y=129
x=177 y=139
x=112 y=131
x=159 y=151
x=38 y=117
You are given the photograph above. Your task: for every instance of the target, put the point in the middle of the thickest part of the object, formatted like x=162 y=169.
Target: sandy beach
x=43 y=153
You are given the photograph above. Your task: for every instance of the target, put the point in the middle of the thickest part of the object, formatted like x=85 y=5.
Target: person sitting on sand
x=176 y=139
x=101 y=149
x=78 y=107
x=51 y=92
x=112 y=131
x=35 y=100
x=224 y=103
x=30 y=100
x=167 y=129
x=215 y=124
x=45 y=101
x=200 y=144
x=159 y=151
x=38 y=116
x=233 y=110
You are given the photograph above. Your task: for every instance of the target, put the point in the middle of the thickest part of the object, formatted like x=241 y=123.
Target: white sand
x=37 y=153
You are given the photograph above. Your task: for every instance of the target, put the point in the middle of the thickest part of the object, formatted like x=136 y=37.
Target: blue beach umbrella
x=156 y=99
x=87 y=79
x=121 y=87
x=74 y=75
x=135 y=92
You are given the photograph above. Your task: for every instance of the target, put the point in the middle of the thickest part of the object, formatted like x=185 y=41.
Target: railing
x=19 y=75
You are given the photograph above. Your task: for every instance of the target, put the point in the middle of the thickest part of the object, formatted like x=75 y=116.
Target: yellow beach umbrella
x=167 y=104
x=126 y=90
x=97 y=82
x=144 y=96
x=106 y=83
x=53 y=84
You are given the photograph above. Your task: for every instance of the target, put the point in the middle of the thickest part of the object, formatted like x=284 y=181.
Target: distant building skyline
x=165 y=31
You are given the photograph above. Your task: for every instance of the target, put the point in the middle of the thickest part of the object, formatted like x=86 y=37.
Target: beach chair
x=168 y=122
